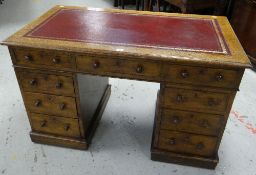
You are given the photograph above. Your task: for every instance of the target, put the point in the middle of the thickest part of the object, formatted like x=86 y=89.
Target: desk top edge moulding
x=140 y=40
x=197 y=60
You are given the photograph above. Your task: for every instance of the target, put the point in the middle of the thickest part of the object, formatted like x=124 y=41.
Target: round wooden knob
x=58 y=85
x=66 y=127
x=211 y=102
x=204 y=124
x=179 y=98
x=184 y=74
x=219 y=77
x=139 y=69
x=96 y=64
x=62 y=106
x=200 y=146
x=175 y=119
x=118 y=63
x=43 y=123
x=37 y=103
x=33 y=82
x=172 y=141
x=56 y=60
x=186 y=139
x=28 y=58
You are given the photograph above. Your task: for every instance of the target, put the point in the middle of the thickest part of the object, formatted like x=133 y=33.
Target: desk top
x=171 y=37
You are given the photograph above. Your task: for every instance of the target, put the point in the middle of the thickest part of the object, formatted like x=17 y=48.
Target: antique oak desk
x=197 y=60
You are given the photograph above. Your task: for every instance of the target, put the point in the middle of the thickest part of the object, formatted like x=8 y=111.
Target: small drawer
x=126 y=68
x=203 y=76
x=43 y=59
x=46 y=83
x=187 y=99
x=50 y=104
x=187 y=143
x=55 y=125
x=192 y=122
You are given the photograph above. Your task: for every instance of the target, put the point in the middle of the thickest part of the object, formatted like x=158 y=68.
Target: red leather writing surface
x=129 y=29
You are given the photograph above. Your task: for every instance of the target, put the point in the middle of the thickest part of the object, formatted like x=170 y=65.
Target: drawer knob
x=204 y=124
x=58 y=85
x=96 y=64
x=179 y=98
x=200 y=146
x=172 y=141
x=175 y=120
x=37 y=103
x=219 y=77
x=118 y=63
x=43 y=123
x=62 y=106
x=67 y=127
x=139 y=69
x=211 y=102
x=33 y=82
x=28 y=58
x=184 y=74
x=56 y=60
x=186 y=139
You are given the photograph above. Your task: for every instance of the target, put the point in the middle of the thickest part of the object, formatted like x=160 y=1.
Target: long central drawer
x=123 y=67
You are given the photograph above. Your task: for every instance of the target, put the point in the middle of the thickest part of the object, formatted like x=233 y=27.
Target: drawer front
x=203 y=76
x=192 y=122
x=186 y=99
x=43 y=59
x=114 y=67
x=46 y=83
x=50 y=104
x=55 y=125
x=187 y=143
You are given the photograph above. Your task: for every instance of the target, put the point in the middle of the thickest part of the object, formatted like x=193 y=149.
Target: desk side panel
x=90 y=91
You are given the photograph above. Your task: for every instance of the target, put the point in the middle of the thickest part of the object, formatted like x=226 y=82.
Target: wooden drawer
x=43 y=59
x=187 y=143
x=203 y=76
x=195 y=100
x=112 y=67
x=46 y=83
x=50 y=104
x=55 y=125
x=192 y=122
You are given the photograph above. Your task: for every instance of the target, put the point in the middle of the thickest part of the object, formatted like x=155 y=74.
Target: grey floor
x=122 y=142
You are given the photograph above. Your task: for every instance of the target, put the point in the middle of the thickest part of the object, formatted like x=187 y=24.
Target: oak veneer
x=197 y=60
x=46 y=83
x=55 y=125
x=51 y=104
x=192 y=122
x=180 y=142
x=195 y=100
x=203 y=76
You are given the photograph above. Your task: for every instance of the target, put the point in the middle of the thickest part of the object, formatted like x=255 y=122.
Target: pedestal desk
x=63 y=60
